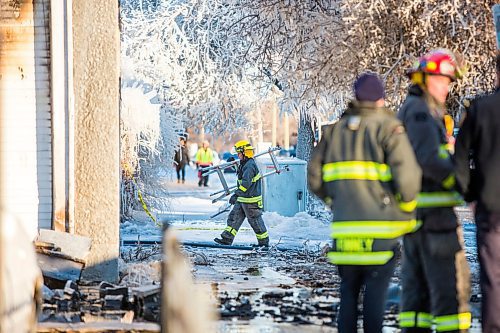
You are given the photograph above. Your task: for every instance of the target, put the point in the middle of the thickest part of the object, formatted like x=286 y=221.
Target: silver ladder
x=219 y=169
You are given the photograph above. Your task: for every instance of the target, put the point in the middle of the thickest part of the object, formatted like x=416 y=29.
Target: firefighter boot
x=223 y=241
x=262 y=244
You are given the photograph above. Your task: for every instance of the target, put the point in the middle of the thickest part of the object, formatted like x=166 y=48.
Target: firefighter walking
x=365 y=168
x=247 y=199
x=435 y=274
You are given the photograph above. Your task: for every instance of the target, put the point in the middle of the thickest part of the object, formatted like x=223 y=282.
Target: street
x=289 y=288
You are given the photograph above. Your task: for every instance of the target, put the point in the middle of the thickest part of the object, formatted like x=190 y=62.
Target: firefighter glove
x=233 y=199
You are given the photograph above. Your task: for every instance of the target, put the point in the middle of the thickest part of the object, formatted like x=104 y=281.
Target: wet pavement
x=296 y=290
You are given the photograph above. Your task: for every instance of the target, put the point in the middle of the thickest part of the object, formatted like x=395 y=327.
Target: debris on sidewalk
x=61 y=256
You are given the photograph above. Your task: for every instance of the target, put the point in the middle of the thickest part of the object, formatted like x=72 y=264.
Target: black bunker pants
x=253 y=213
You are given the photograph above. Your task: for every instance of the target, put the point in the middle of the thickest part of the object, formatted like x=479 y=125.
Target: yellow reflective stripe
x=407 y=319
x=373 y=229
x=443 y=151
x=263 y=235
x=360 y=258
x=354 y=244
x=250 y=200
x=364 y=170
x=231 y=230
x=256 y=178
x=453 y=322
x=439 y=199
x=408 y=206
x=424 y=320
x=449 y=181
x=415 y=319
x=243 y=188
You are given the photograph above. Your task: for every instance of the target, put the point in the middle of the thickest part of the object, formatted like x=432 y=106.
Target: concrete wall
x=96 y=49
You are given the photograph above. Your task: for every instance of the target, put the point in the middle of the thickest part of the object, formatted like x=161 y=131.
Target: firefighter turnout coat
x=427 y=133
x=365 y=166
x=249 y=183
x=435 y=274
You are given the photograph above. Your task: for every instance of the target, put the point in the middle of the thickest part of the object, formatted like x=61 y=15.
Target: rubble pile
x=104 y=302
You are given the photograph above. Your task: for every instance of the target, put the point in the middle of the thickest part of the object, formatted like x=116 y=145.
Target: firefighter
x=478 y=142
x=435 y=274
x=247 y=199
x=365 y=168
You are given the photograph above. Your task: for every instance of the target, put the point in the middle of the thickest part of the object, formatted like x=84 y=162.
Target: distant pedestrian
x=247 y=199
x=435 y=274
x=204 y=158
x=478 y=145
x=364 y=167
x=181 y=159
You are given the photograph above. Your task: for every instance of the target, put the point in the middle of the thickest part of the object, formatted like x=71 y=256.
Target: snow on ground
x=191 y=207
x=190 y=210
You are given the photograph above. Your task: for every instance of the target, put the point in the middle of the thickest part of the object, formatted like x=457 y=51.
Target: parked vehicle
x=287 y=153
x=229 y=157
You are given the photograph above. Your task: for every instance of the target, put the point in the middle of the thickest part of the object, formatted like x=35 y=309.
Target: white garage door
x=26 y=111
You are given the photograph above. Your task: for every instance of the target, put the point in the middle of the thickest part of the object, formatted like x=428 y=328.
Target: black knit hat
x=369 y=87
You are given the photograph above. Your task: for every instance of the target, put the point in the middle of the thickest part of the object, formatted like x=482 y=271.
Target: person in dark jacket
x=181 y=159
x=435 y=275
x=478 y=145
x=365 y=168
x=247 y=199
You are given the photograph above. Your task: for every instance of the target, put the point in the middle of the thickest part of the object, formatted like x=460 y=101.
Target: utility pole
x=260 y=130
x=274 y=122
x=276 y=92
x=286 y=141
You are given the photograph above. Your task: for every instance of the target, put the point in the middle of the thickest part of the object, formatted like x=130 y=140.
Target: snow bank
x=301 y=226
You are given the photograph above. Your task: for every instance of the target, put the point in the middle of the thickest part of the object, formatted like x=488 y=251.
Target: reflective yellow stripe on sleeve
x=449 y=181
x=362 y=170
x=256 y=178
x=439 y=199
x=241 y=187
x=443 y=151
x=461 y=321
x=408 y=206
x=373 y=229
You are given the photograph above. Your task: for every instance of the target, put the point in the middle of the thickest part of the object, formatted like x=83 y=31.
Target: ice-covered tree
x=184 y=50
x=388 y=36
x=148 y=132
x=213 y=60
x=315 y=48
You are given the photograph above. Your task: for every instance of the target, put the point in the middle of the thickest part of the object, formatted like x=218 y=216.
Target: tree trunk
x=286 y=138
x=305 y=140
x=305 y=145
